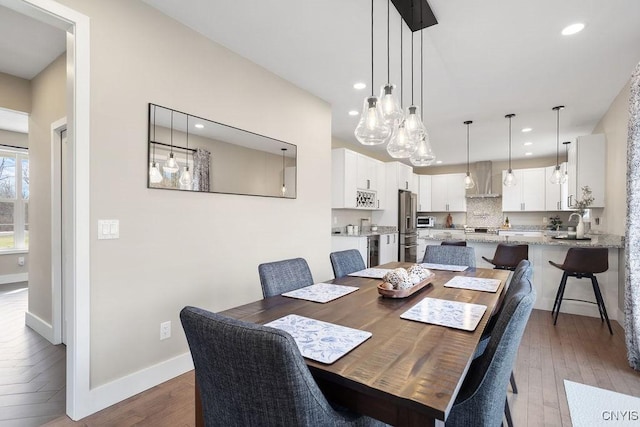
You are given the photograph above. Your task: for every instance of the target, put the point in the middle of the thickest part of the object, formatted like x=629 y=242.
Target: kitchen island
x=546 y=278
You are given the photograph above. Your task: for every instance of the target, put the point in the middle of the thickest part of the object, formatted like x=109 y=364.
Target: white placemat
x=320 y=341
x=447 y=267
x=474 y=283
x=372 y=273
x=321 y=292
x=453 y=314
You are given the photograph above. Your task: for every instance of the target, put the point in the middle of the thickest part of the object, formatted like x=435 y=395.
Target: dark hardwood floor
x=32 y=370
x=579 y=349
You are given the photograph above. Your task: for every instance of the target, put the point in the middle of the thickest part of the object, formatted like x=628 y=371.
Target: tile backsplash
x=484 y=212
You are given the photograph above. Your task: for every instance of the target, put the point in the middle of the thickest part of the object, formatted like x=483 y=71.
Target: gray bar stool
x=454 y=243
x=508 y=256
x=583 y=263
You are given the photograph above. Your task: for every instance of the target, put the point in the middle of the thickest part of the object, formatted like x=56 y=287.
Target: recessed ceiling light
x=528 y=153
x=359 y=85
x=199 y=125
x=528 y=143
x=438 y=161
x=573 y=29
x=353 y=113
x=526 y=129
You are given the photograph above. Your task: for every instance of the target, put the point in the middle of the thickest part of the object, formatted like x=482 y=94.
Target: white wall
x=181 y=248
x=614 y=125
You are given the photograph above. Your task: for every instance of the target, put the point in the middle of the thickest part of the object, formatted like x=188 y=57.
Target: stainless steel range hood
x=481 y=172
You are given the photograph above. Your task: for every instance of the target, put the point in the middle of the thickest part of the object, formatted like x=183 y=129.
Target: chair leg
x=514 y=387
x=555 y=303
x=563 y=284
x=600 y=301
x=507 y=413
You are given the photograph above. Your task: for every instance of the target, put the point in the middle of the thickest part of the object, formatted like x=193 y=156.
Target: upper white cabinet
x=357 y=181
x=529 y=192
x=405 y=177
x=587 y=168
x=424 y=193
x=555 y=194
x=448 y=193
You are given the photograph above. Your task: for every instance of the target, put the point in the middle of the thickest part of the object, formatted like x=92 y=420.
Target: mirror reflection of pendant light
x=171 y=166
x=391 y=110
x=565 y=176
x=556 y=176
x=185 y=178
x=423 y=156
x=155 y=176
x=510 y=178
x=372 y=129
x=468 y=181
x=284 y=187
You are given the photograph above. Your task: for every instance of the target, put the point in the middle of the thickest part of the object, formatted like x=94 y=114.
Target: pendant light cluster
x=557 y=176
x=383 y=120
x=510 y=178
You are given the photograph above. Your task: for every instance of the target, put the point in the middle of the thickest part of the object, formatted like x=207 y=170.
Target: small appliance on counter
x=425 y=221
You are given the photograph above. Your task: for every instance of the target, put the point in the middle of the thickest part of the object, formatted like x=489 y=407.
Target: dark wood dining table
x=408 y=373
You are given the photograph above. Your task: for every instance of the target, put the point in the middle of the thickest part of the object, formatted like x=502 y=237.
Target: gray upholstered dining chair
x=283 y=276
x=482 y=398
x=451 y=255
x=346 y=262
x=252 y=375
x=523 y=270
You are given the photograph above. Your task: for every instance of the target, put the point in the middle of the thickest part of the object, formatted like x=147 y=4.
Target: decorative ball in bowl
x=401 y=283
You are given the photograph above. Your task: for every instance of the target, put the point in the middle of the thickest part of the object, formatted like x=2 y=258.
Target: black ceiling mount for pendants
x=416 y=13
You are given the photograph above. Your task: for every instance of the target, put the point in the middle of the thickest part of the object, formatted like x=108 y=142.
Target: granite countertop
x=340 y=232
x=597 y=240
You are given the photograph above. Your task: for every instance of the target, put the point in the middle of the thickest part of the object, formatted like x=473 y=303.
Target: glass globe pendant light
x=372 y=129
x=565 y=175
x=556 y=176
x=155 y=177
x=510 y=178
x=186 y=178
x=171 y=165
x=414 y=123
x=424 y=155
x=402 y=144
x=391 y=110
x=468 y=181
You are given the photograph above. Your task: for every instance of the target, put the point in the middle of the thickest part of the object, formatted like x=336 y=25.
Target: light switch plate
x=108 y=229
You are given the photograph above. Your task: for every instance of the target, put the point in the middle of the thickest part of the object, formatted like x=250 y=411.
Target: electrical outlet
x=165 y=330
x=20 y=260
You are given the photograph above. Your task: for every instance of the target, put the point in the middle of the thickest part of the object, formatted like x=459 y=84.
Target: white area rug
x=594 y=407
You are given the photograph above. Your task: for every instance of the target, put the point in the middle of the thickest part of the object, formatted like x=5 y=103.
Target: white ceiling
x=482 y=61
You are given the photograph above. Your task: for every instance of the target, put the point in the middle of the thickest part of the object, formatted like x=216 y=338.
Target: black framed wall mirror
x=190 y=153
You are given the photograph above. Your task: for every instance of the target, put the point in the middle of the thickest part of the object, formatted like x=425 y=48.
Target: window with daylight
x=14 y=199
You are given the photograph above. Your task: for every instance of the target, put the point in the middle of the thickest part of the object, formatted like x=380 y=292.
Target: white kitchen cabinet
x=424 y=193
x=357 y=181
x=405 y=176
x=555 y=194
x=529 y=192
x=388 y=248
x=448 y=193
x=381 y=172
x=587 y=168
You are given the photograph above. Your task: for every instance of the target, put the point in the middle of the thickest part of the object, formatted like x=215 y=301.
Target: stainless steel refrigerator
x=407 y=209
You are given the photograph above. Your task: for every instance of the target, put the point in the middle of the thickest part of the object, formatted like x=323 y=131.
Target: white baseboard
x=40 y=326
x=125 y=387
x=577 y=307
x=14 y=278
